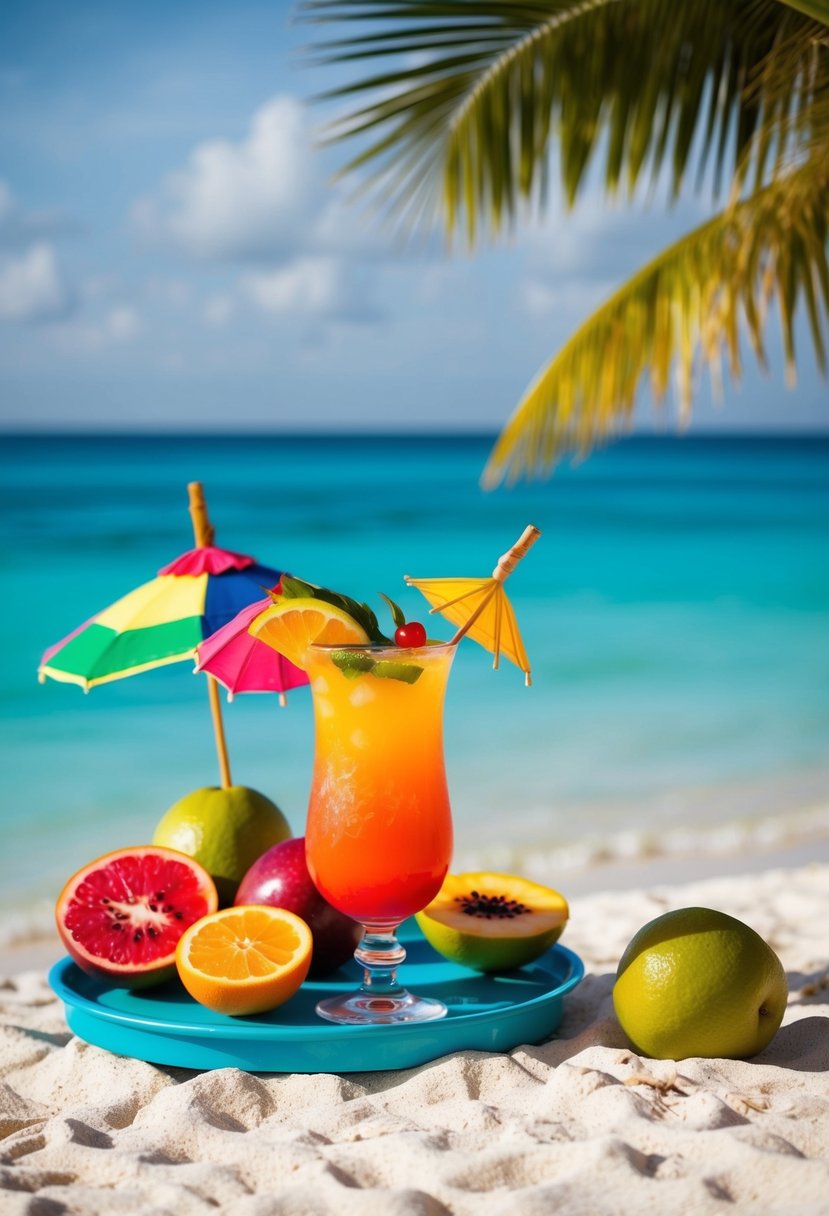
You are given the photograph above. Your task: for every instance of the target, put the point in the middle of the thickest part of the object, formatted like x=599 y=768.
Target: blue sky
x=174 y=252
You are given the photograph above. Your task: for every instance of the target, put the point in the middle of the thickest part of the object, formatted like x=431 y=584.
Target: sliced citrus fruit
x=292 y=625
x=244 y=960
x=121 y=916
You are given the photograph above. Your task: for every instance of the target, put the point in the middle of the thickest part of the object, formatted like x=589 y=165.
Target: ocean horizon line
x=716 y=435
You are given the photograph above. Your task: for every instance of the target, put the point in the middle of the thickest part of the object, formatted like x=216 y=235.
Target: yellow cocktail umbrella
x=480 y=605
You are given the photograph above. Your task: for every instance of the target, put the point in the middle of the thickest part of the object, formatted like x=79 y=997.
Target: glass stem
x=380 y=954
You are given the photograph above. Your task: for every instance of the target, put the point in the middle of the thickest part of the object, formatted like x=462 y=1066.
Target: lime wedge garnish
x=390 y=669
x=352 y=663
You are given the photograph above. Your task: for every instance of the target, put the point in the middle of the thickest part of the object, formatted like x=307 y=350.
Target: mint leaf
x=296 y=588
x=372 y=626
x=397 y=613
x=361 y=613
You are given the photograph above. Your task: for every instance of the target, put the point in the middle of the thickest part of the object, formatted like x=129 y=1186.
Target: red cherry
x=410 y=634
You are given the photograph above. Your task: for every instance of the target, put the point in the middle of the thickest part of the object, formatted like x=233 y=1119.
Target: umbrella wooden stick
x=204 y=532
x=506 y=564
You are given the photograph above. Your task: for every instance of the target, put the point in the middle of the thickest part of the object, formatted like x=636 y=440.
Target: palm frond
x=471 y=95
x=683 y=311
x=817 y=10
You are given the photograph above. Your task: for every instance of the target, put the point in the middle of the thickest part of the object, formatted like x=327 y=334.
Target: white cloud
x=310 y=286
x=239 y=200
x=566 y=300
x=174 y=293
x=122 y=324
x=604 y=241
x=20 y=227
x=537 y=299
x=219 y=311
x=118 y=326
x=32 y=287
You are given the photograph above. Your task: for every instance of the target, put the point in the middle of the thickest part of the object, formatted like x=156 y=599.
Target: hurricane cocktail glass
x=379 y=830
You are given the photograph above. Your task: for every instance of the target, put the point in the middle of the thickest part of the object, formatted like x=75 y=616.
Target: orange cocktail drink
x=379 y=829
x=378 y=839
x=379 y=833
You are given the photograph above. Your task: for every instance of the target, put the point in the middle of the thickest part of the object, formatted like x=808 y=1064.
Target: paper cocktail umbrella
x=164 y=620
x=480 y=605
x=242 y=663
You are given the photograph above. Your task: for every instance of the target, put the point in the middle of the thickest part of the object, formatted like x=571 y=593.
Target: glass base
x=375 y=1009
x=381 y=1001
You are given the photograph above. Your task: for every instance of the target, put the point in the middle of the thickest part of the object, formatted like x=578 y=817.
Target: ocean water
x=676 y=611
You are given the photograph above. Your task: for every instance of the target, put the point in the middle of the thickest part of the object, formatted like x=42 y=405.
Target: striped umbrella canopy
x=162 y=621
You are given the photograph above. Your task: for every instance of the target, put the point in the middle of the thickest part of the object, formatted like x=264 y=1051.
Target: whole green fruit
x=697 y=982
x=225 y=830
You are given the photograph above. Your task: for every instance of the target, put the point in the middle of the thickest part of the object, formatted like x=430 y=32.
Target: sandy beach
x=579 y=1124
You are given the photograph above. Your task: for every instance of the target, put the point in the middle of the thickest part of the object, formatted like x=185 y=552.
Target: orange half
x=244 y=960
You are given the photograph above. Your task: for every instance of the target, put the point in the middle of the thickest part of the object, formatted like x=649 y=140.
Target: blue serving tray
x=164 y=1025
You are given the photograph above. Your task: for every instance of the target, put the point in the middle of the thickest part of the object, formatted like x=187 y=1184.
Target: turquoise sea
x=676 y=610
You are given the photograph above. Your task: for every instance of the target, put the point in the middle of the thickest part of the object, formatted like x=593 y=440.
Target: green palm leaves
x=477 y=98
x=685 y=308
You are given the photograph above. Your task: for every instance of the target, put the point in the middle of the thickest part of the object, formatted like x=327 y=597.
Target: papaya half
x=493 y=922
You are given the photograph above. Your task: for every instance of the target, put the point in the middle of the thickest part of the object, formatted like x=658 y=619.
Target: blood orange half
x=121 y=916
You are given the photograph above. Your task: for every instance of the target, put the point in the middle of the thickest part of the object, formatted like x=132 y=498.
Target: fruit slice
x=121 y=916
x=293 y=624
x=244 y=960
x=280 y=879
x=493 y=922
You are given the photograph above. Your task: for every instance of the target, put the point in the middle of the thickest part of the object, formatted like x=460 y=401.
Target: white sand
x=578 y=1126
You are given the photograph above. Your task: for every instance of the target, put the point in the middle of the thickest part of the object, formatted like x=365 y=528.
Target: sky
x=175 y=252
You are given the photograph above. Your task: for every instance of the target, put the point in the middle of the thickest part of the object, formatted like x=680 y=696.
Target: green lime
x=391 y=669
x=352 y=663
x=225 y=830
x=696 y=982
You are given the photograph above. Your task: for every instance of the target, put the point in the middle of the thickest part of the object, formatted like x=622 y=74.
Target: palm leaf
x=471 y=95
x=683 y=311
x=818 y=10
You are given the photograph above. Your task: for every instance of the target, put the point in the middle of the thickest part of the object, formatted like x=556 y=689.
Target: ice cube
x=362 y=694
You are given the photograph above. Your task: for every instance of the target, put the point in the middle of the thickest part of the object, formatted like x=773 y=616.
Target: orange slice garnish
x=292 y=625
x=244 y=960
